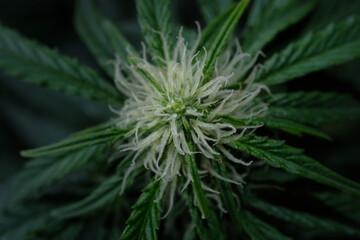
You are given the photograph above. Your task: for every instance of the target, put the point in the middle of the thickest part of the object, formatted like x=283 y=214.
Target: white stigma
x=171 y=104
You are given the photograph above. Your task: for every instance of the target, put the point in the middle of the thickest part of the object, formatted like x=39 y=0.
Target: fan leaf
x=32 y=62
x=199 y=193
x=291 y=159
x=105 y=194
x=40 y=173
x=109 y=135
x=222 y=35
x=301 y=219
x=293 y=127
x=258 y=229
x=211 y=9
x=313 y=108
x=201 y=228
x=334 y=11
x=154 y=17
x=100 y=35
x=144 y=220
x=202 y=202
x=278 y=15
x=333 y=45
x=345 y=204
x=278 y=123
x=227 y=194
x=207 y=36
x=271 y=175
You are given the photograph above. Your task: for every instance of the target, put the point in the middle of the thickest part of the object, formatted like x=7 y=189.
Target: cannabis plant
x=194 y=147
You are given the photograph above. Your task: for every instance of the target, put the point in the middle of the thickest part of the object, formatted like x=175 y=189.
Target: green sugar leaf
x=202 y=201
x=155 y=20
x=199 y=192
x=207 y=35
x=222 y=36
x=201 y=229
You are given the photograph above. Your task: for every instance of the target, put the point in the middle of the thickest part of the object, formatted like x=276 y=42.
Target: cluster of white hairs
x=171 y=104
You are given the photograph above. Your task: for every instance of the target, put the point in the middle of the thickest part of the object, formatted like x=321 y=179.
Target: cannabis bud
x=174 y=103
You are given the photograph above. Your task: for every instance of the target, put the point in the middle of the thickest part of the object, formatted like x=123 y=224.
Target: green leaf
x=199 y=193
x=301 y=219
x=100 y=35
x=271 y=174
x=293 y=127
x=203 y=204
x=105 y=194
x=333 y=45
x=154 y=17
x=291 y=159
x=258 y=229
x=109 y=135
x=255 y=13
x=40 y=107
x=278 y=123
x=222 y=36
x=146 y=75
x=207 y=35
x=345 y=204
x=313 y=108
x=40 y=173
x=199 y=223
x=211 y=9
x=32 y=62
x=227 y=194
x=144 y=220
x=276 y=16
x=95 y=129
x=206 y=228
x=331 y=11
